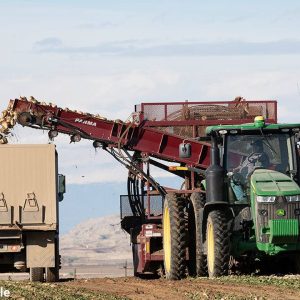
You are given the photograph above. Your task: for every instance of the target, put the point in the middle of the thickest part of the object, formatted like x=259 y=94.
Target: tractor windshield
x=245 y=153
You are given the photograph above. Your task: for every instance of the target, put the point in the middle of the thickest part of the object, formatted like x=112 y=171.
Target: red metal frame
x=146 y=254
x=116 y=134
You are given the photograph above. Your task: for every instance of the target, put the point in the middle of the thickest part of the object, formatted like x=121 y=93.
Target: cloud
x=189 y=48
x=239 y=19
x=112 y=95
x=99 y=25
x=47 y=44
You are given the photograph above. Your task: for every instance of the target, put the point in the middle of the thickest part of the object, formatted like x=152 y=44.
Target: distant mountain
x=96 y=241
x=86 y=201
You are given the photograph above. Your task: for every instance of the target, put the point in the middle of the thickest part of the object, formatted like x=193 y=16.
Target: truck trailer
x=30 y=191
x=238 y=207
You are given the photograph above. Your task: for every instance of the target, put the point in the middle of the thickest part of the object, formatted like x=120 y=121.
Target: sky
x=106 y=56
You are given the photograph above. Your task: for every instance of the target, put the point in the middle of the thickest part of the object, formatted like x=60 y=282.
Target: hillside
x=96 y=241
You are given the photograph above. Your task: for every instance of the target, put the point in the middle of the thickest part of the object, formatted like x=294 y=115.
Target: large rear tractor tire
x=36 y=274
x=174 y=237
x=197 y=259
x=218 y=243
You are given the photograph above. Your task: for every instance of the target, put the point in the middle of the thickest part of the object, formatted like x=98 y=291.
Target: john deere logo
x=280 y=212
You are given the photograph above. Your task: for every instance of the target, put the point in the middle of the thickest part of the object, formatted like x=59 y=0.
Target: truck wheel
x=197 y=258
x=52 y=273
x=36 y=274
x=217 y=239
x=174 y=237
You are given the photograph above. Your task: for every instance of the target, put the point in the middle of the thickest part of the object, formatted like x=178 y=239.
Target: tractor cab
x=243 y=149
x=260 y=165
x=247 y=153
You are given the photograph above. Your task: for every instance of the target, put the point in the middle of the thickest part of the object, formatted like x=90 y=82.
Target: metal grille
x=262 y=221
x=190 y=119
x=227 y=110
x=156 y=205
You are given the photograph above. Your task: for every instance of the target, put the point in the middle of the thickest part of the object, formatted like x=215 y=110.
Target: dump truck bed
x=28 y=187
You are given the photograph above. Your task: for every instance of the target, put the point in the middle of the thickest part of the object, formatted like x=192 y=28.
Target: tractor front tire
x=174 y=237
x=218 y=243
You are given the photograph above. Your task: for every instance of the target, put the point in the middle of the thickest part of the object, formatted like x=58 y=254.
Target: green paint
x=280 y=212
x=271 y=183
x=283 y=231
x=272 y=249
x=250 y=127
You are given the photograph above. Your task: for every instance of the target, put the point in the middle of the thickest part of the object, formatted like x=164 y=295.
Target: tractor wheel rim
x=210 y=248
x=167 y=239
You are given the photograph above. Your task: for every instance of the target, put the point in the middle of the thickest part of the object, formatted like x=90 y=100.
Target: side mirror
x=185 y=150
x=61 y=186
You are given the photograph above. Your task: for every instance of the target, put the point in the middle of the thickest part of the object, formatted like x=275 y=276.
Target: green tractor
x=251 y=215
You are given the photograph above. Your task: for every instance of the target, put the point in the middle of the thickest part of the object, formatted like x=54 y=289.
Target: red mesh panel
x=206 y=111
x=191 y=118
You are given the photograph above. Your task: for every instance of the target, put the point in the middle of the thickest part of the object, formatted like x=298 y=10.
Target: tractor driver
x=255 y=159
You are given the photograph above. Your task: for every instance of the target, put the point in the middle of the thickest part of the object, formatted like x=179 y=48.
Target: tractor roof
x=258 y=125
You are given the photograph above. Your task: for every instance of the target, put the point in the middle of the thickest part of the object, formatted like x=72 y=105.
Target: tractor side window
x=280 y=152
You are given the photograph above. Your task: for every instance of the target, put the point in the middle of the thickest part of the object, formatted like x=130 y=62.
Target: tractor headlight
x=295 y=198
x=265 y=199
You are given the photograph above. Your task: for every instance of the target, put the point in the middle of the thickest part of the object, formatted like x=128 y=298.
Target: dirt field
x=244 y=287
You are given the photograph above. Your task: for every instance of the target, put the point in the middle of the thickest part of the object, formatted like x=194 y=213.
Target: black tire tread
x=51 y=274
x=36 y=274
x=222 y=242
x=198 y=260
x=178 y=236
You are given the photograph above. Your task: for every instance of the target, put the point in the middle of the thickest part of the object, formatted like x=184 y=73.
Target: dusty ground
x=244 y=287
x=201 y=288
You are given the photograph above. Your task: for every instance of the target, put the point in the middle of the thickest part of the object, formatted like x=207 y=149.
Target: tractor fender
x=209 y=206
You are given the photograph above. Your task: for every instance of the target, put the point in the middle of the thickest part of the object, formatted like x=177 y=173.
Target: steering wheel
x=254 y=156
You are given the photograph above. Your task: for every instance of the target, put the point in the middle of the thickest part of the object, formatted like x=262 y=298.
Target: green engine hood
x=271 y=183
